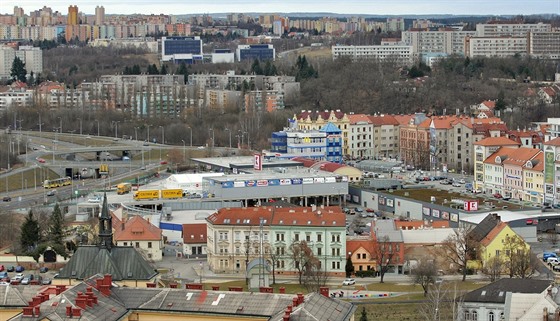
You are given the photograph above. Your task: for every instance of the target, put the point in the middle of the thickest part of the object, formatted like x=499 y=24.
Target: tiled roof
x=358 y=118
x=354 y=245
x=520 y=156
x=489 y=103
x=408 y=225
x=537 y=162
x=194 y=233
x=553 y=142
x=293 y=216
x=493 y=233
x=314 y=115
x=496 y=141
x=137 y=229
x=496 y=292
x=480 y=231
x=17 y=295
x=503 y=152
x=380 y=120
x=403 y=119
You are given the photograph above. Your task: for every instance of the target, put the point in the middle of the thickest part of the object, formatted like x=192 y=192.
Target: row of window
x=473 y=316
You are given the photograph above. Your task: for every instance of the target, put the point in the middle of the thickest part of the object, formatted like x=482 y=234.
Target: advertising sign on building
x=471 y=205
x=307 y=180
x=257 y=162
x=285 y=181
x=239 y=184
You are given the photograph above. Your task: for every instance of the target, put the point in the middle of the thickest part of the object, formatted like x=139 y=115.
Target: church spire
x=105 y=225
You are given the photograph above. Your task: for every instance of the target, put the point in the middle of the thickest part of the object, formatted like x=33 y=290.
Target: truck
x=123 y=188
x=171 y=193
x=146 y=195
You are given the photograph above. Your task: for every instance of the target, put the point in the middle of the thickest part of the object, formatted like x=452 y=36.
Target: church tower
x=105 y=226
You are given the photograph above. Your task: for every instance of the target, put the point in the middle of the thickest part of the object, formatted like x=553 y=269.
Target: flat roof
x=267 y=174
x=188 y=216
x=245 y=162
x=506 y=216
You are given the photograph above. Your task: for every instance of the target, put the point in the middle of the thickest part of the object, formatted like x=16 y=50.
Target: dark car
x=20 y=268
x=6 y=199
x=44 y=269
x=11 y=268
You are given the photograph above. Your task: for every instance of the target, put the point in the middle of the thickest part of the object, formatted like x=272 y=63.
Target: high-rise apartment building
x=99 y=15
x=72 y=15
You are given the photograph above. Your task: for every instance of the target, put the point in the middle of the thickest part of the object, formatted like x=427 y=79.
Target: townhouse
x=482 y=150
x=239 y=236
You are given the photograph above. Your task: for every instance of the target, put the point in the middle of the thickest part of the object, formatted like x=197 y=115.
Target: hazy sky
x=390 y=7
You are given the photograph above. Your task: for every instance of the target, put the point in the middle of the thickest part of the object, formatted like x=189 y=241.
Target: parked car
x=52 y=192
x=359 y=210
x=552 y=261
x=456 y=184
x=7 y=199
x=20 y=268
x=95 y=199
x=4 y=276
x=497 y=195
x=10 y=268
x=349 y=282
x=46 y=281
x=2 y=268
x=43 y=269
x=547 y=255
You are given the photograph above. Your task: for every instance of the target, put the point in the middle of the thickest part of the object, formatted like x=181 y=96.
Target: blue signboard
x=273 y=182
x=227 y=184
x=296 y=181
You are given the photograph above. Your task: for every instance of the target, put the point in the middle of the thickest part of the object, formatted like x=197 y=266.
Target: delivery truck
x=146 y=195
x=123 y=188
x=172 y=193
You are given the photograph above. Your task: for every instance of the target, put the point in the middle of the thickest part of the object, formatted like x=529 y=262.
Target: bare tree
x=316 y=277
x=424 y=273
x=493 y=268
x=459 y=248
x=384 y=254
x=552 y=237
x=518 y=257
x=302 y=258
x=441 y=303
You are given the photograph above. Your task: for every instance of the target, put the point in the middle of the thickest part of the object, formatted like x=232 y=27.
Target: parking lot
x=17 y=274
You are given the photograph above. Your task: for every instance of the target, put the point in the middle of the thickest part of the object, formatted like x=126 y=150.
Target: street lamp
x=148 y=138
x=162 y=134
x=190 y=129
x=201 y=271
x=229 y=131
x=212 y=130
x=97 y=121
x=60 y=119
x=80 y=126
x=184 y=152
x=116 y=128
x=136 y=133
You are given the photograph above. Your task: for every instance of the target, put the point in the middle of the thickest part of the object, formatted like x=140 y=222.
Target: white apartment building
x=14 y=98
x=402 y=54
x=510 y=29
x=360 y=137
x=385 y=136
x=32 y=57
x=494 y=172
x=544 y=45
x=442 y=41
x=505 y=46
x=7 y=55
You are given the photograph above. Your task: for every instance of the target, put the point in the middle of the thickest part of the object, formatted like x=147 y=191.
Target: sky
x=381 y=7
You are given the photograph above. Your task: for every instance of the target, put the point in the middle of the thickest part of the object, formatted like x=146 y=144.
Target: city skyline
x=397 y=7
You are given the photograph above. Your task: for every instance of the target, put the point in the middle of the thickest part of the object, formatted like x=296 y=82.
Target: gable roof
x=480 y=231
x=123 y=262
x=330 y=128
x=520 y=156
x=503 y=153
x=553 y=142
x=358 y=118
x=496 y=141
x=352 y=245
x=487 y=240
x=380 y=120
x=496 y=292
x=137 y=229
x=194 y=233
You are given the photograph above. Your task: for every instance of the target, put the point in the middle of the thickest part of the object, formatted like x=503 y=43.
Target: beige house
x=140 y=234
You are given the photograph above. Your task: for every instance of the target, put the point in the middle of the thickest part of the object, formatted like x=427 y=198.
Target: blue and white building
x=181 y=49
x=252 y=52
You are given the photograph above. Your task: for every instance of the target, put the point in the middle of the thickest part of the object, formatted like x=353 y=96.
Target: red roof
x=354 y=245
x=520 y=156
x=493 y=233
x=553 y=142
x=489 y=103
x=502 y=152
x=359 y=118
x=293 y=216
x=194 y=233
x=138 y=229
x=496 y=141
x=403 y=119
x=380 y=120
x=314 y=115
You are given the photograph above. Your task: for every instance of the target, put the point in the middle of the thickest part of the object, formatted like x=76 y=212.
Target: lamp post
x=97 y=121
x=116 y=128
x=136 y=133
x=40 y=124
x=229 y=131
x=213 y=144
x=184 y=152
x=162 y=134
x=60 y=119
x=190 y=129
x=148 y=138
x=201 y=271
x=80 y=126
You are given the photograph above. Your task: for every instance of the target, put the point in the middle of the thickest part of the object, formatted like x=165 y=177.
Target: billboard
x=257 y=162
x=549 y=167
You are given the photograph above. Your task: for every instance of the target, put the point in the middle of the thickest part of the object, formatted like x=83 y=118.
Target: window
x=149 y=245
x=467 y=316
x=319 y=237
x=474 y=316
x=490 y=317
x=319 y=251
x=296 y=236
x=280 y=237
x=308 y=237
x=223 y=236
x=125 y=243
x=137 y=244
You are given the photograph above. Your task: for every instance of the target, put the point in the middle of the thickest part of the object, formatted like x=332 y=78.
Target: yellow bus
x=57 y=182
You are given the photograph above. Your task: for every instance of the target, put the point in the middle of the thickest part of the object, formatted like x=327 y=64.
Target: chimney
x=324 y=291
x=98 y=284
x=289 y=308
x=295 y=302
x=28 y=311
x=76 y=312
x=300 y=298
x=37 y=311
x=105 y=290
x=69 y=311
x=286 y=316
x=81 y=302
x=108 y=280
x=36 y=301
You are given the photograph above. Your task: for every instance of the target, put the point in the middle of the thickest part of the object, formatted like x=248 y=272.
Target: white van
x=552 y=261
